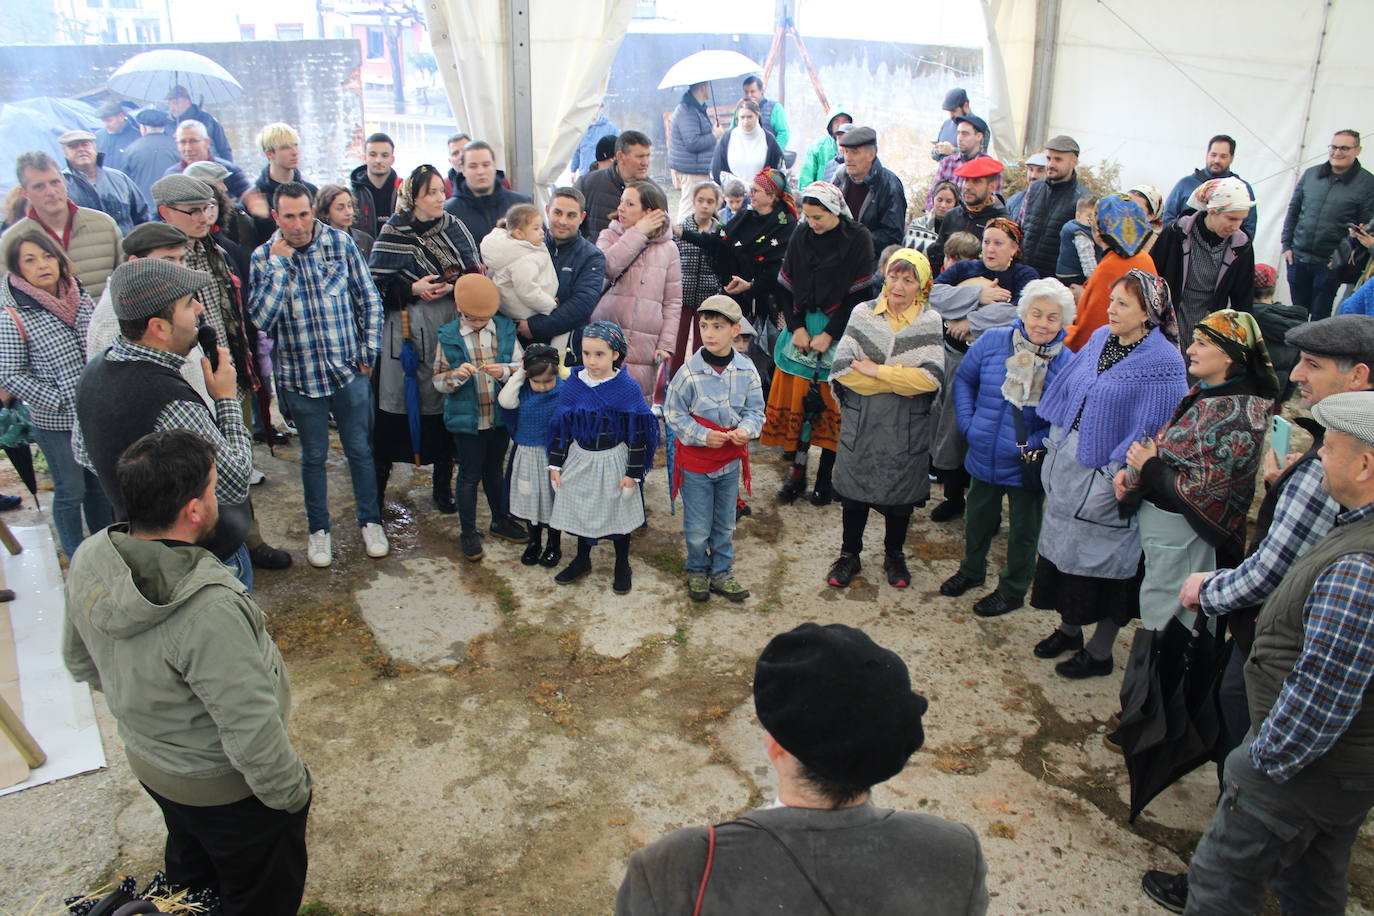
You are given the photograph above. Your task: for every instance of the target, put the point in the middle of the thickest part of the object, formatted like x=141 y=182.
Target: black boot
x=953 y=506
x=552 y=554
x=580 y=566
x=534 y=548
x=622 y=582
x=822 y=495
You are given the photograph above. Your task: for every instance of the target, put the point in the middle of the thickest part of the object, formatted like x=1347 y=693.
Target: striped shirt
x=1327 y=685
x=321 y=307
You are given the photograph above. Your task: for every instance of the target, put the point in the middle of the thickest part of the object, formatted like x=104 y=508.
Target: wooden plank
x=13 y=769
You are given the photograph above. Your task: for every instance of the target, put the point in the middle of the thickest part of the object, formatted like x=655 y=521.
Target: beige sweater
x=94 y=247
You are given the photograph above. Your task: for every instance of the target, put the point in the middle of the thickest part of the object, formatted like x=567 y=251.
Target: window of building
x=290 y=31
x=247 y=32
x=376 y=43
x=147 y=31
x=124 y=4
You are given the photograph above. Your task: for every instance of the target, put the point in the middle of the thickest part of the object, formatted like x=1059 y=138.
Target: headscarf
x=1154 y=295
x=1266 y=277
x=1010 y=228
x=924 y=281
x=608 y=332
x=1124 y=224
x=416 y=182
x=1217 y=195
x=1238 y=334
x=1153 y=199
x=775 y=182
x=828 y=196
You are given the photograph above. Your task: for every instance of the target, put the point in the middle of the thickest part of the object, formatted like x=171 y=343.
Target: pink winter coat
x=647 y=301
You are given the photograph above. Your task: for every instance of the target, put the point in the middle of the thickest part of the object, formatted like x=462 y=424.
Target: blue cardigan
x=984 y=415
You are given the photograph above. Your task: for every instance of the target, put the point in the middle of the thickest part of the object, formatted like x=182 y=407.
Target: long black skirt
x=391 y=439
x=1083 y=600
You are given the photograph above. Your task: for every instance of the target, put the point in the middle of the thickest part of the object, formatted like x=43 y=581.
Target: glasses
x=1340 y=149
x=202 y=210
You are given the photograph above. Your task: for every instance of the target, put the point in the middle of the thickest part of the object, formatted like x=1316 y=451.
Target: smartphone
x=1280 y=432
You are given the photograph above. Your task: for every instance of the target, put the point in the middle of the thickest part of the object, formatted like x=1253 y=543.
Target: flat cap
x=146 y=237
x=746 y=329
x=858 y=136
x=972 y=120
x=954 y=99
x=1063 y=144
x=76 y=136
x=152 y=117
x=179 y=189
x=146 y=286
x=206 y=170
x=1337 y=337
x=1039 y=159
x=979 y=167
x=178 y=92
x=724 y=306
x=109 y=109
x=1350 y=412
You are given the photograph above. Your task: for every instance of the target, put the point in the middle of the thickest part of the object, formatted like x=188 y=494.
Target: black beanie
x=839 y=702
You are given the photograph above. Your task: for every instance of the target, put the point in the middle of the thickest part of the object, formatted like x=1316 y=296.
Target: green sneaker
x=729 y=588
x=698 y=588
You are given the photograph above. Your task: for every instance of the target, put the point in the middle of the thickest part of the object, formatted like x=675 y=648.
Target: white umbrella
x=151 y=75
x=705 y=66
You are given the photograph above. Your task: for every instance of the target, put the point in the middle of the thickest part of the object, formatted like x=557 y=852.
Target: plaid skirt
x=531 y=494
x=590 y=502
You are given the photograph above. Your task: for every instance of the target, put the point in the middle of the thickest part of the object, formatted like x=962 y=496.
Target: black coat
x=479 y=214
x=1049 y=205
x=961 y=219
x=883 y=212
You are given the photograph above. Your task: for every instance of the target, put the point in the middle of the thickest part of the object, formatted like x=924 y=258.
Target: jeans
x=983 y=516
x=1295 y=835
x=1313 y=287
x=351 y=406
x=241 y=565
x=708 y=522
x=481 y=460
x=73 y=488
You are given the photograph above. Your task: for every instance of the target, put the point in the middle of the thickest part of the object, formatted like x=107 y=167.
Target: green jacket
x=180 y=650
x=821 y=151
x=460 y=406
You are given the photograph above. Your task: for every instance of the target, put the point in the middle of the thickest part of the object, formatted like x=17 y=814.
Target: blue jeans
x=708 y=522
x=351 y=406
x=241 y=565
x=1313 y=287
x=73 y=488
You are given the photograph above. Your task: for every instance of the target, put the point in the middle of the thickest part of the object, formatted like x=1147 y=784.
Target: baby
x=521 y=267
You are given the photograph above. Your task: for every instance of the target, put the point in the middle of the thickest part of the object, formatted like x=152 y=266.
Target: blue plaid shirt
x=728 y=399
x=1303 y=515
x=1326 y=687
x=322 y=309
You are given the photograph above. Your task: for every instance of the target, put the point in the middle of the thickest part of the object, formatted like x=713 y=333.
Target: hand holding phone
x=1280 y=434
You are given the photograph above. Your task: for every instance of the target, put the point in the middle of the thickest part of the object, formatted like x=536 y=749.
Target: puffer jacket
x=985 y=417
x=646 y=298
x=94 y=246
x=183 y=656
x=523 y=273
x=1323 y=204
x=690 y=140
x=1047 y=207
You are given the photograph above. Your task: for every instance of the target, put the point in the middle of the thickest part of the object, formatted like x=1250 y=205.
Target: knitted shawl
x=1133 y=398
x=401 y=255
x=919 y=345
x=529 y=423
x=614 y=409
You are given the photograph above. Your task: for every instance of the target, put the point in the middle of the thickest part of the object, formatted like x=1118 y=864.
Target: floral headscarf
x=1238 y=334
x=924 y=280
x=415 y=185
x=1154 y=295
x=610 y=333
x=1007 y=226
x=1221 y=194
x=828 y=196
x=775 y=182
x=1123 y=223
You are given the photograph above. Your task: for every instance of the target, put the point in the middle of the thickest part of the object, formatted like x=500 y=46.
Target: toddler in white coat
x=520 y=266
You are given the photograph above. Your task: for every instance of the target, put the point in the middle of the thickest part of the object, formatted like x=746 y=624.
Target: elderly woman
x=1206 y=259
x=887 y=370
x=996 y=390
x=44 y=314
x=827 y=271
x=1122 y=229
x=1191 y=486
x=334 y=208
x=745 y=149
x=1122 y=386
x=972 y=296
x=418 y=254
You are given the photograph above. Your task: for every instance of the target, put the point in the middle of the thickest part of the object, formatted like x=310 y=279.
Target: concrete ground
x=485 y=741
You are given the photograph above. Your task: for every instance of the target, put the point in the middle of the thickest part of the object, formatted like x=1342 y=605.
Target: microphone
x=205 y=336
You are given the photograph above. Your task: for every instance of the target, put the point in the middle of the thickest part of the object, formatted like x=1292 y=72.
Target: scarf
x=63 y=306
x=828 y=196
x=822 y=270
x=702 y=459
x=1027 y=367
x=747 y=152
x=1154 y=294
x=1122 y=222
x=1238 y=334
x=775 y=182
x=1133 y=398
x=530 y=421
x=404 y=251
x=614 y=409
x=1220 y=194
x=1007 y=226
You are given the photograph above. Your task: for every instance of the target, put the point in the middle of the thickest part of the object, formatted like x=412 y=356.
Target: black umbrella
x=813 y=405
x=21 y=456
x=1170 y=721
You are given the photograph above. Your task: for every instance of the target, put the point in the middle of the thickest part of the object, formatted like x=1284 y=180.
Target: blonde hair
x=277 y=134
x=521 y=215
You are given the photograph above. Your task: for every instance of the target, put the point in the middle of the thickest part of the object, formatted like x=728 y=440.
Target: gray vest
x=1279 y=640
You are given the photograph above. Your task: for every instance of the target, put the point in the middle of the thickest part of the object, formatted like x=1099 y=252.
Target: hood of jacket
x=131 y=584
x=835 y=113
x=691 y=101
x=500 y=249
x=461 y=189
x=358 y=177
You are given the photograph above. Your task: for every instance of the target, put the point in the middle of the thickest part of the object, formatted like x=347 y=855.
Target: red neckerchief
x=66 y=235
x=703 y=459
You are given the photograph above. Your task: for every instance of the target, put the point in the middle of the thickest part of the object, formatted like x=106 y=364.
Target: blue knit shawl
x=529 y=423
x=615 y=409
x=1134 y=398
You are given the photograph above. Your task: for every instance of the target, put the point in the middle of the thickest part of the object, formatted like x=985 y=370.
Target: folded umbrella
x=410 y=365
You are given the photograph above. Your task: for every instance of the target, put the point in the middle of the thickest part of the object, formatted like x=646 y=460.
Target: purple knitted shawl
x=1134 y=398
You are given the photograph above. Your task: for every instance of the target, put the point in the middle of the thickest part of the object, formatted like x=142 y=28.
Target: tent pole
x=520 y=154
x=1042 y=74
x=1311 y=95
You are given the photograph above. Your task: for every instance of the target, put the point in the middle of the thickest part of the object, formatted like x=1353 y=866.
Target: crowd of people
x=1102 y=365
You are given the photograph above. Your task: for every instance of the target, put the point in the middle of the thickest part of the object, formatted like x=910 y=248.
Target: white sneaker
x=320 y=550
x=374 y=539
x=256 y=477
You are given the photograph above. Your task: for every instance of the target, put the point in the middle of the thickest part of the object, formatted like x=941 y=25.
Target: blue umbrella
x=410 y=364
x=660 y=394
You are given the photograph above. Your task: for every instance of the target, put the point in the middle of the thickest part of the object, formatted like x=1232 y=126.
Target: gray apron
x=1082 y=533
x=425 y=319
x=1173 y=552
x=883 y=456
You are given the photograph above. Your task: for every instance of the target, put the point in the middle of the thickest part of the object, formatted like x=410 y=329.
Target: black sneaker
x=898 y=576
x=509 y=529
x=445 y=503
x=265 y=556
x=957 y=584
x=1169 y=891
x=843 y=570
x=471 y=542
x=995 y=605
x=1081 y=665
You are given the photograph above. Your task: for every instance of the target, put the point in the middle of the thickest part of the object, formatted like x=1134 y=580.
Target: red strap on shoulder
x=706 y=875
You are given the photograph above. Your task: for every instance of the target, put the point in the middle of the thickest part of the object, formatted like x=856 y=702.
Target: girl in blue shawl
x=529 y=399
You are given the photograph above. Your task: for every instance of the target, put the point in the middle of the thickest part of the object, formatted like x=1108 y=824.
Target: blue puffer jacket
x=984 y=415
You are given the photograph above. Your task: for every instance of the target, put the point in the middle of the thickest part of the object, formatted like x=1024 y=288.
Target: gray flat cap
x=858 y=136
x=109 y=109
x=179 y=189
x=1039 y=159
x=1350 y=412
x=146 y=286
x=1337 y=337
x=208 y=170
x=75 y=136
x=1063 y=144
x=148 y=236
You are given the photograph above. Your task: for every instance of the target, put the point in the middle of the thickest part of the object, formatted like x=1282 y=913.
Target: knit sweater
x=869 y=335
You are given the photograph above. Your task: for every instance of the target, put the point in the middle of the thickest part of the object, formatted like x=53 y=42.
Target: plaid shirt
x=481 y=347
x=321 y=307
x=1326 y=687
x=225 y=430
x=1303 y=515
x=729 y=399
x=42 y=363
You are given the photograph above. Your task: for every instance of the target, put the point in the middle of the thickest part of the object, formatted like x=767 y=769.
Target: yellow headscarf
x=924 y=280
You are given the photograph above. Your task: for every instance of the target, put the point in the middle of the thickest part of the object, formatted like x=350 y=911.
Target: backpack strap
x=706 y=874
x=825 y=904
x=23 y=334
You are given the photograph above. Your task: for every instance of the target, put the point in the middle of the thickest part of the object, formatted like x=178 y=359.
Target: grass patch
x=679 y=637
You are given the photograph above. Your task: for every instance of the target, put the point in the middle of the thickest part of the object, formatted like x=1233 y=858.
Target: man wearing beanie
x=1336 y=355
x=840 y=717
x=1297 y=790
x=155 y=304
